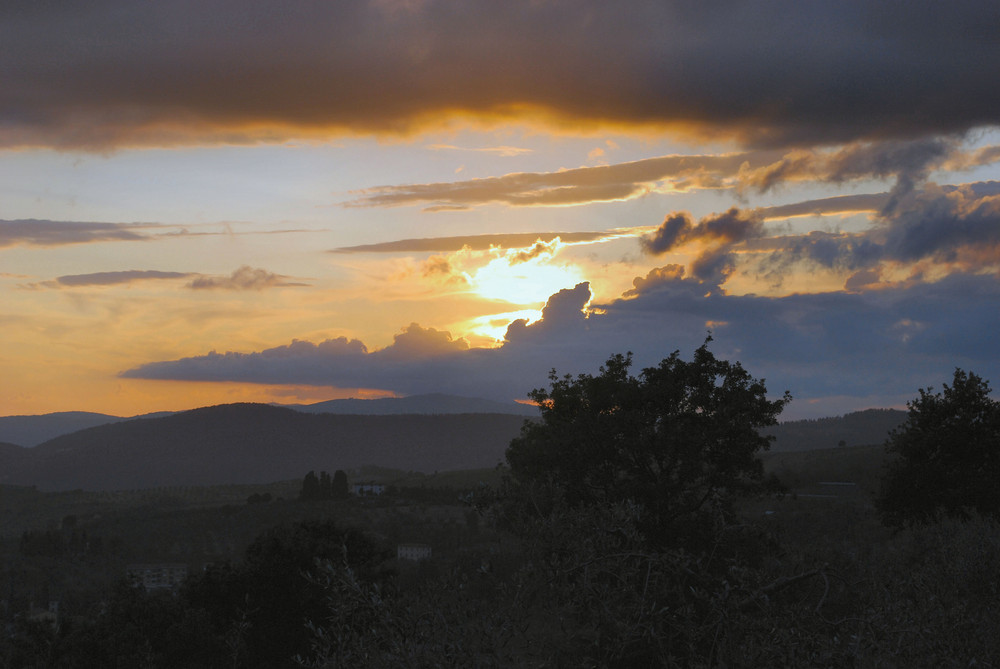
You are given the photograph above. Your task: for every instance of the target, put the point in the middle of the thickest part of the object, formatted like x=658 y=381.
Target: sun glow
x=493 y=327
x=524 y=276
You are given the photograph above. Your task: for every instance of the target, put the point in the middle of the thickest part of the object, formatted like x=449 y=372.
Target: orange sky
x=322 y=198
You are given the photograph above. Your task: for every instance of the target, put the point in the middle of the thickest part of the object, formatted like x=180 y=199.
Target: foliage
x=262 y=604
x=948 y=455
x=681 y=439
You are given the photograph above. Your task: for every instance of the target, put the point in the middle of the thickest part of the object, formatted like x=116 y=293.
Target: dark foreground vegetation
x=634 y=526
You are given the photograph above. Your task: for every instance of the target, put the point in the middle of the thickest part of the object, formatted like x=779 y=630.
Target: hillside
x=255 y=443
x=861 y=428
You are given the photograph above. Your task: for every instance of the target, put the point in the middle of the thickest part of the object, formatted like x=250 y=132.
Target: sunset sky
x=254 y=200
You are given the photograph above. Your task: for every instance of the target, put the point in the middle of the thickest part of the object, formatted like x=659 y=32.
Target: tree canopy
x=678 y=438
x=947 y=455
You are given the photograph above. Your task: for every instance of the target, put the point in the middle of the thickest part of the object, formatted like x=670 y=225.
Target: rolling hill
x=254 y=443
x=861 y=428
x=29 y=431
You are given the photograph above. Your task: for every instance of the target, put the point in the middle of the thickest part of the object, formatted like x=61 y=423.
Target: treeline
x=324 y=486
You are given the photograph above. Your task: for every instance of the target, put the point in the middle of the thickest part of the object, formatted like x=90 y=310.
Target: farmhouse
x=362 y=489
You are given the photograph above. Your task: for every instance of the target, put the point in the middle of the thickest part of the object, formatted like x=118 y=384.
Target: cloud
x=954 y=228
x=244 y=278
x=581 y=185
x=34 y=232
x=877 y=347
x=717 y=234
x=656 y=277
x=324 y=364
x=537 y=250
x=46 y=233
x=502 y=151
x=479 y=242
x=117 y=73
x=839 y=204
x=905 y=162
x=110 y=278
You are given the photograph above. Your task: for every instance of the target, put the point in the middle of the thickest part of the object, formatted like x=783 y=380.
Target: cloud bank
x=905 y=162
x=877 y=347
x=114 y=72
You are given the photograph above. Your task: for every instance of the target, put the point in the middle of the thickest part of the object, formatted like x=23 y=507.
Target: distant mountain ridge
x=861 y=428
x=255 y=443
x=29 y=431
x=430 y=403
x=33 y=430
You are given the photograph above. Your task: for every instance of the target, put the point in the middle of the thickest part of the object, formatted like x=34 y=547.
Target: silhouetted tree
x=679 y=439
x=339 y=485
x=310 y=487
x=325 y=487
x=948 y=455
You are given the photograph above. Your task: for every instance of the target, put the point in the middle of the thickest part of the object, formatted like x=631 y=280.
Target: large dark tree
x=947 y=455
x=679 y=439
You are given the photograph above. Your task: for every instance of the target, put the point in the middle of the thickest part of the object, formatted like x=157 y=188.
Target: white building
x=368 y=489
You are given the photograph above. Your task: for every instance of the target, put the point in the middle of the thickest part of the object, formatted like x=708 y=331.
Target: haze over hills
x=255 y=443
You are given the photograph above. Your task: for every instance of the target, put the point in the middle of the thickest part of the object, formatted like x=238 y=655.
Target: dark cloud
x=34 y=232
x=112 y=278
x=673 y=231
x=718 y=233
x=955 y=226
x=723 y=229
x=243 y=278
x=114 y=72
x=938 y=224
x=655 y=278
x=872 y=348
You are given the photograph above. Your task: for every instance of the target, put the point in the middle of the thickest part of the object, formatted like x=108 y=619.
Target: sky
x=213 y=202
